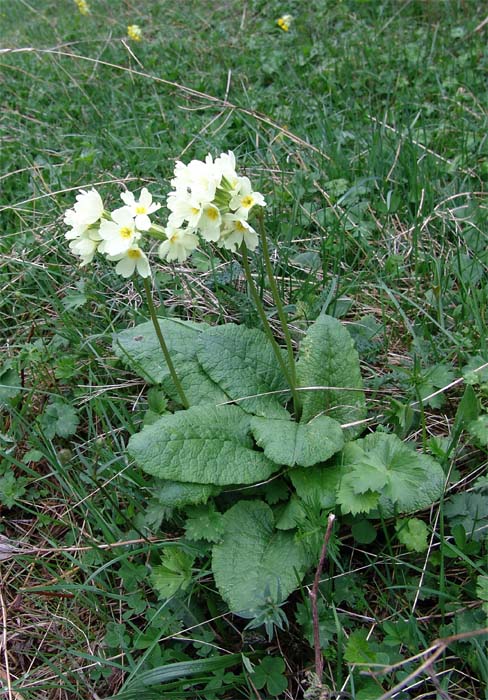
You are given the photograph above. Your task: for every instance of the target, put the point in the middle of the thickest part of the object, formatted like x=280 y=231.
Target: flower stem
x=267 y=328
x=277 y=300
x=164 y=347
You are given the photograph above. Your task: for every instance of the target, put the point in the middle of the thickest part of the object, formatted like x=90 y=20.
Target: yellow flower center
x=174 y=237
x=134 y=253
x=195 y=210
x=125 y=232
x=240 y=227
x=140 y=209
x=212 y=213
x=247 y=201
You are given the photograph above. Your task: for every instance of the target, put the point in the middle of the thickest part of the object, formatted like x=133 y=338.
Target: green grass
x=365 y=126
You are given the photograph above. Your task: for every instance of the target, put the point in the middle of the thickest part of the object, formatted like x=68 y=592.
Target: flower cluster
x=209 y=202
x=116 y=234
x=83 y=7
x=209 y=199
x=284 y=22
x=134 y=32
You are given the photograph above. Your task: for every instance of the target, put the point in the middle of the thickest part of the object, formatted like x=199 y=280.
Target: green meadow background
x=365 y=126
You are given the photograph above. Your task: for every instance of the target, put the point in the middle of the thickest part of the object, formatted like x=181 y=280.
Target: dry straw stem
x=319 y=659
x=434 y=651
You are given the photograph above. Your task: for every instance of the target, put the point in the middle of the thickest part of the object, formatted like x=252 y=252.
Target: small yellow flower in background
x=284 y=22
x=83 y=7
x=134 y=32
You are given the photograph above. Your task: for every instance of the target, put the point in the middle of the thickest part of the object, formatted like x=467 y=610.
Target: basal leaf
x=242 y=362
x=302 y=444
x=203 y=445
x=253 y=558
x=139 y=349
x=175 y=494
x=328 y=358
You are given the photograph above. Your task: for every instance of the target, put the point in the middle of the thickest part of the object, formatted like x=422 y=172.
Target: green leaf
x=174 y=572
x=270 y=673
x=204 y=523
x=317 y=484
x=402 y=479
x=363 y=531
x=59 y=418
x=182 y=669
x=203 y=445
x=470 y=510
x=358 y=649
x=139 y=349
x=435 y=377
x=303 y=444
x=353 y=502
x=482 y=591
x=11 y=489
x=469 y=407
x=253 y=558
x=479 y=429
x=290 y=514
x=412 y=532
x=175 y=494
x=9 y=383
x=328 y=358
x=242 y=362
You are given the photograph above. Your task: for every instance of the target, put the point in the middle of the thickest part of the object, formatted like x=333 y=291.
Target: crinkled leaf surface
x=328 y=357
x=254 y=558
x=381 y=465
x=302 y=444
x=203 y=445
x=175 y=494
x=242 y=362
x=139 y=349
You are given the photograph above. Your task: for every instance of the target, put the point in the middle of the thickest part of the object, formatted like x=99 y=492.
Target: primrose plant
x=263 y=440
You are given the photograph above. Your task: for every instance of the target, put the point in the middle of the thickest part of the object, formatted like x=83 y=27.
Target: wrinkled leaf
x=254 y=558
x=302 y=444
x=139 y=349
x=176 y=494
x=242 y=362
x=203 y=445
x=328 y=358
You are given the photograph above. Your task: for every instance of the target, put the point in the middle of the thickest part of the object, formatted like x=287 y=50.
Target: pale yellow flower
x=134 y=32
x=284 y=22
x=83 y=7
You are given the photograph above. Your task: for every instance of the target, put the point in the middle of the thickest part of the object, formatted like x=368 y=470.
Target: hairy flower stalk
x=268 y=331
x=162 y=343
x=281 y=312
